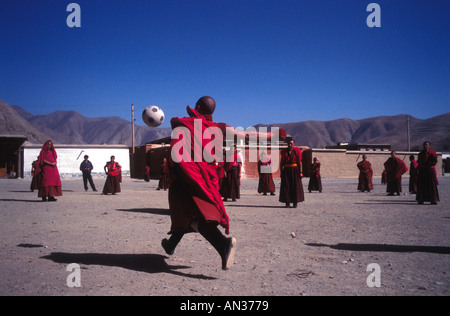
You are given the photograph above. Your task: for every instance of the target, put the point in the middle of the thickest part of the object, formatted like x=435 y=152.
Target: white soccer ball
x=153 y=116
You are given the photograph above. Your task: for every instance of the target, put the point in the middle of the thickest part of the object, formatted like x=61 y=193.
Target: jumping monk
x=194 y=200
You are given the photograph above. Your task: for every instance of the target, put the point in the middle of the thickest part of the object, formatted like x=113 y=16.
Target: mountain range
x=69 y=127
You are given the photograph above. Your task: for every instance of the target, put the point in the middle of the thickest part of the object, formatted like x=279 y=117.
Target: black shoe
x=228 y=258
x=44 y=199
x=166 y=245
x=52 y=199
x=287 y=205
x=295 y=205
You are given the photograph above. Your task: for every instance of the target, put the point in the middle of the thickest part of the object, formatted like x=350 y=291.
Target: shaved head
x=206 y=105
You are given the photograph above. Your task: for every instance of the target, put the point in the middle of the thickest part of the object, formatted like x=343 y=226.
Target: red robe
x=315 y=181
x=413 y=171
x=291 y=189
x=395 y=168
x=50 y=182
x=427 y=180
x=365 y=176
x=194 y=191
x=266 y=183
x=230 y=187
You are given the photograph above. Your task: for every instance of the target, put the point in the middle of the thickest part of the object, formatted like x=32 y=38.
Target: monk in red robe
x=427 y=181
x=36 y=173
x=413 y=171
x=395 y=168
x=194 y=200
x=114 y=176
x=266 y=184
x=50 y=182
x=315 y=181
x=365 y=175
x=291 y=190
x=164 y=182
x=231 y=184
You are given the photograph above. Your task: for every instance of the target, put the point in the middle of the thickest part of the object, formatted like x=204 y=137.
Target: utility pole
x=408 y=136
x=132 y=128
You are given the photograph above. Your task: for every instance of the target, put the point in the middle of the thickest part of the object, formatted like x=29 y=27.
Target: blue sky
x=263 y=61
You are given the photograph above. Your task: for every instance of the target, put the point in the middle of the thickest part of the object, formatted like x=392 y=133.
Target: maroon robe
x=194 y=191
x=395 y=168
x=413 y=171
x=291 y=189
x=365 y=176
x=36 y=173
x=164 y=180
x=427 y=181
x=50 y=182
x=112 y=183
x=266 y=183
x=315 y=181
x=231 y=184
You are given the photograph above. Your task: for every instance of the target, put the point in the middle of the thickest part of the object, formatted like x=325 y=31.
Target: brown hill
x=377 y=130
x=69 y=127
x=11 y=123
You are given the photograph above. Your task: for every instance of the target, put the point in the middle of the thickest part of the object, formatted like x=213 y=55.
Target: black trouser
x=87 y=176
x=210 y=232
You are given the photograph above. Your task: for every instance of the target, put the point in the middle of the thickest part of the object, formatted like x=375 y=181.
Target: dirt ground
x=115 y=240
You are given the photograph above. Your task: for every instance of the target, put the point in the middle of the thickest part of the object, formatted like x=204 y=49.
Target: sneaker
x=228 y=259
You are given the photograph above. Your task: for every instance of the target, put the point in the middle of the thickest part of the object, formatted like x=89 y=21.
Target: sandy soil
x=116 y=242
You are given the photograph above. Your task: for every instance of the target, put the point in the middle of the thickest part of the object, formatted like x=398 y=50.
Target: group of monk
x=198 y=189
x=47 y=180
x=423 y=179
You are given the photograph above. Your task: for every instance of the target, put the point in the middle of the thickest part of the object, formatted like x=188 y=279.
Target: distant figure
x=86 y=168
x=220 y=170
x=365 y=175
x=232 y=182
x=291 y=190
x=427 y=181
x=164 y=181
x=36 y=173
x=50 y=184
x=395 y=168
x=114 y=171
x=266 y=184
x=413 y=172
x=315 y=181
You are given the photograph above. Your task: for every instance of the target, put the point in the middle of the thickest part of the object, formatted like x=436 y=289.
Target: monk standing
x=266 y=184
x=395 y=168
x=231 y=184
x=291 y=190
x=365 y=175
x=114 y=176
x=50 y=183
x=315 y=181
x=413 y=171
x=427 y=180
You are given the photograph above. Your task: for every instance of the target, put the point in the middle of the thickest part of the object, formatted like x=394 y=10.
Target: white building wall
x=70 y=158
